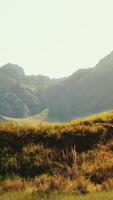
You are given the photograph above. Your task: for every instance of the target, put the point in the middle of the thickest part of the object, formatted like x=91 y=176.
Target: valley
x=85 y=92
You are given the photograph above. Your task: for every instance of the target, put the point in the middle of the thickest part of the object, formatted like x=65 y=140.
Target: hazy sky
x=55 y=37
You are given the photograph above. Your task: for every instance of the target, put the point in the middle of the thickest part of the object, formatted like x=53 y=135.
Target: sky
x=55 y=37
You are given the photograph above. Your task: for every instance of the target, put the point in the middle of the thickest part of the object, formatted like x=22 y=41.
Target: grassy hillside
x=41 y=117
x=24 y=196
x=70 y=157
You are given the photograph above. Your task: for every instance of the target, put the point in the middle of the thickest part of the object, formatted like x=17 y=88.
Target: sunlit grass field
x=22 y=196
x=61 y=160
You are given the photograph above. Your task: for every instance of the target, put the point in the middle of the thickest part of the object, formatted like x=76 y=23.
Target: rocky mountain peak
x=12 y=70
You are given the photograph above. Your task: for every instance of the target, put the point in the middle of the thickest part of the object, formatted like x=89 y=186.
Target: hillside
x=70 y=157
x=85 y=92
x=2 y=119
x=41 y=117
x=18 y=92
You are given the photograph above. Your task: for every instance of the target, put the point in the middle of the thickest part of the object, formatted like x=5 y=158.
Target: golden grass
x=68 y=157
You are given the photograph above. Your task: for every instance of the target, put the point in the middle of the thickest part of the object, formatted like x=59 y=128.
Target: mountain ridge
x=87 y=91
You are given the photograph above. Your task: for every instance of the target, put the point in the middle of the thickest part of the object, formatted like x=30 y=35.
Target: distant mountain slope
x=12 y=71
x=2 y=119
x=41 y=117
x=85 y=92
x=19 y=93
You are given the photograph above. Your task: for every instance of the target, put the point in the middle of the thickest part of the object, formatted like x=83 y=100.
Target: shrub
x=14 y=184
x=108 y=184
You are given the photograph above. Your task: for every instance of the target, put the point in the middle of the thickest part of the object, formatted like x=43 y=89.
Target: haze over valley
x=85 y=92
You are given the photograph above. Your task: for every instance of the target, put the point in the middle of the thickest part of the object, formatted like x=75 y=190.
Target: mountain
x=85 y=92
x=12 y=71
x=2 y=119
x=19 y=92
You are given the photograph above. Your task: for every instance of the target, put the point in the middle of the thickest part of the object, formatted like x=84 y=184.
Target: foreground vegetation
x=75 y=157
x=22 y=196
